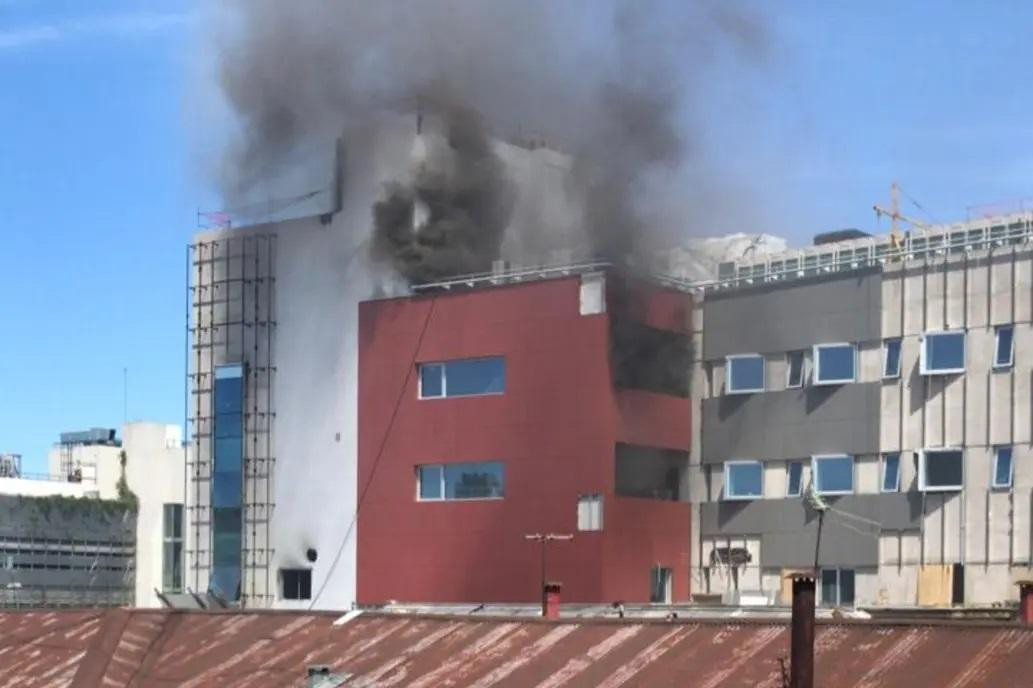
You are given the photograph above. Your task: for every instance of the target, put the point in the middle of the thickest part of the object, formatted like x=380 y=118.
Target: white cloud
x=118 y=25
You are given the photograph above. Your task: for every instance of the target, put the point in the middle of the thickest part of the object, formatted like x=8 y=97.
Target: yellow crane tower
x=895 y=215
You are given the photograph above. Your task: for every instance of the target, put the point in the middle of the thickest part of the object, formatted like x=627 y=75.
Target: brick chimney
x=551 y=600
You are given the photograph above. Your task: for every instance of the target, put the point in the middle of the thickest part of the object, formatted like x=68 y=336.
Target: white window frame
x=742 y=498
x=728 y=374
x=816 y=366
x=921 y=470
x=1011 y=352
x=818 y=458
x=925 y=370
x=882 y=473
x=886 y=357
x=419 y=379
x=1011 y=468
x=444 y=377
x=590 y=501
x=789 y=369
x=799 y=488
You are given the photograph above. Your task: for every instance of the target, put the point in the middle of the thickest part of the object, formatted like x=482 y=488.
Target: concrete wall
x=155 y=472
x=987 y=530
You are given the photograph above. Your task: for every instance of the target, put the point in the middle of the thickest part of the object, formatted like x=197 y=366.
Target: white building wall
x=155 y=472
x=100 y=465
x=30 y=487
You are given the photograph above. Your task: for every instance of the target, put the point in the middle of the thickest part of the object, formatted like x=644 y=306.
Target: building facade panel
x=793 y=316
x=792 y=424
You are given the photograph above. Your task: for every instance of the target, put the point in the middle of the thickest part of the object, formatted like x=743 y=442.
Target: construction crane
x=895 y=215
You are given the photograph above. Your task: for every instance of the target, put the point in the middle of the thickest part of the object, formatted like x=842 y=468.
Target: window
x=744 y=479
x=660 y=585
x=943 y=353
x=1003 y=350
x=649 y=359
x=794 y=369
x=837 y=587
x=794 y=478
x=834 y=363
x=940 y=470
x=891 y=473
x=297 y=584
x=744 y=374
x=227 y=484
x=463 y=378
x=649 y=472
x=833 y=474
x=891 y=358
x=172 y=548
x=458 y=481
x=590 y=512
x=1002 y=467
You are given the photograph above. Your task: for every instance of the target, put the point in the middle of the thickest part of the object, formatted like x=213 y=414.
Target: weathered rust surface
x=166 y=648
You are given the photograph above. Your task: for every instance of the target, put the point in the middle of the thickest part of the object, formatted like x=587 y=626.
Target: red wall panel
x=554 y=428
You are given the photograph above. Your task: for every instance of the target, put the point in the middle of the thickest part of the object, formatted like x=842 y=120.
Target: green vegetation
x=125 y=496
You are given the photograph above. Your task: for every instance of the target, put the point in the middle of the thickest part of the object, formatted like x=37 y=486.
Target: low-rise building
x=105 y=529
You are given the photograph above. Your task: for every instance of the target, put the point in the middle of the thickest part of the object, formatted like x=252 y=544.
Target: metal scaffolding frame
x=231 y=319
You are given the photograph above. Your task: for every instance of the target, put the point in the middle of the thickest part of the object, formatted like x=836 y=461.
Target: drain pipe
x=801 y=652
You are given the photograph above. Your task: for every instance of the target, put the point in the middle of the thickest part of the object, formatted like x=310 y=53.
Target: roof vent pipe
x=801 y=653
x=320 y=676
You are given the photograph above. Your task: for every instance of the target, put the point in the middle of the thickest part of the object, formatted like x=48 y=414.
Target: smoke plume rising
x=609 y=83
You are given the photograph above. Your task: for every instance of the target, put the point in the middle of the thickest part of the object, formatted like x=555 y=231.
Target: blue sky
x=100 y=184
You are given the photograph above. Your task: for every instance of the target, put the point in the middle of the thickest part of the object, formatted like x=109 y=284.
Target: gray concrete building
x=893 y=379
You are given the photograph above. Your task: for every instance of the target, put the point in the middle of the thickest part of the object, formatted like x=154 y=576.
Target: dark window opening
x=297 y=584
x=650 y=472
x=172 y=548
x=958 y=584
x=649 y=359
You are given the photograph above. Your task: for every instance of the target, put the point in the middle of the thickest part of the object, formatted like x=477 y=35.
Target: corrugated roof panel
x=174 y=648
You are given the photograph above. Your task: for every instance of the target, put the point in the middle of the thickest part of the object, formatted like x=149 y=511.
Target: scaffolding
x=230 y=320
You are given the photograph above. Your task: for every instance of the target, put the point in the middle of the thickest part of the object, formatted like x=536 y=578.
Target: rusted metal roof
x=181 y=648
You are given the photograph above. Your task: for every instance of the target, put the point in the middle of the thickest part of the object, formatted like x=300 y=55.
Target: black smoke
x=447 y=221
x=611 y=83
